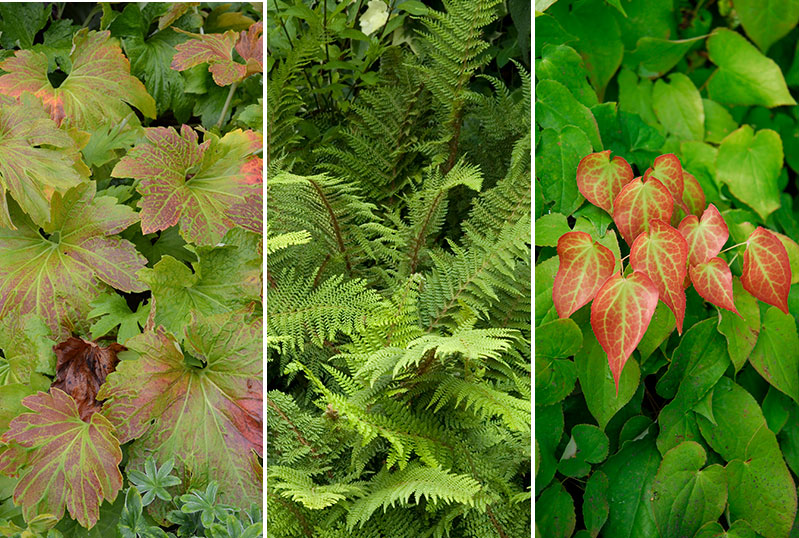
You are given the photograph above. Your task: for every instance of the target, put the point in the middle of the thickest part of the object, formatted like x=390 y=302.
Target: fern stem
x=227 y=103
x=294 y=428
x=495 y=522
x=417 y=244
x=334 y=222
x=291 y=44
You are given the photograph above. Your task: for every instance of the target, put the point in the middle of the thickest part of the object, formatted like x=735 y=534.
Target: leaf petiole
x=227 y=104
x=734 y=246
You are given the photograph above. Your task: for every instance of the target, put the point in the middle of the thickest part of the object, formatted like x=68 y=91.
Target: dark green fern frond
x=384 y=144
x=453 y=51
x=284 y=99
x=332 y=211
x=298 y=310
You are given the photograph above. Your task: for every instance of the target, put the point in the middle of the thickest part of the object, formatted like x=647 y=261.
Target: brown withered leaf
x=81 y=368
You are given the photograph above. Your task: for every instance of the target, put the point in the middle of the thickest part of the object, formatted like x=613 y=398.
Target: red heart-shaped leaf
x=637 y=204
x=601 y=179
x=767 y=270
x=713 y=281
x=668 y=170
x=620 y=314
x=704 y=237
x=662 y=254
x=584 y=267
x=692 y=194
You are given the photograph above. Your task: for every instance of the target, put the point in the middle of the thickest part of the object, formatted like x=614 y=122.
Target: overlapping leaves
x=664 y=259
x=55 y=273
x=97 y=90
x=201 y=187
x=201 y=404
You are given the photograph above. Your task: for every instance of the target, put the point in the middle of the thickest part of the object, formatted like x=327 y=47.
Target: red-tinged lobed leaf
x=662 y=255
x=36 y=159
x=203 y=187
x=251 y=47
x=94 y=93
x=214 y=49
x=668 y=170
x=584 y=267
x=209 y=419
x=713 y=281
x=705 y=237
x=637 y=204
x=620 y=315
x=81 y=369
x=56 y=277
x=766 y=269
x=61 y=460
x=601 y=179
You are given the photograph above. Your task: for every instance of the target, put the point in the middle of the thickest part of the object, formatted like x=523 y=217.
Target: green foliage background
x=398 y=275
x=702 y=439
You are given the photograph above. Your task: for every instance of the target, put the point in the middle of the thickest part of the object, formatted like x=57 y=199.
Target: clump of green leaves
x=666 y=361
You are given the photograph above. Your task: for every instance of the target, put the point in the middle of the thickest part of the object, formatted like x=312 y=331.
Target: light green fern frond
x=415 y=481
x=299 y=486
x=483 y=400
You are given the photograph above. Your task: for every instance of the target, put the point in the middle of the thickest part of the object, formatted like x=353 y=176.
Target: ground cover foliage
x=130 y=269
x=666 y=268
x=398 y=273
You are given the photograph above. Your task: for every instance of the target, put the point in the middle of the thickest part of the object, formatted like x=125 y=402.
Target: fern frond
x=299 y=486
x=331 y=210
x=281 y=241
x=434 y=484
x=453 y=51
x=389 y=129
x=483 y=400
x=298 y=310
x=472 y=344
x=284 y=100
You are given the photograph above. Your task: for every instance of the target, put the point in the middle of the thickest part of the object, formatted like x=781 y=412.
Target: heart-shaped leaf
x=620 y=315
x=693 y=196
x=705 y=237
x=584 y=267
x=637 y=204
x=601 y=179
x=662 y=254
x=668 y=170
x=766 y=269
x=713 y=281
